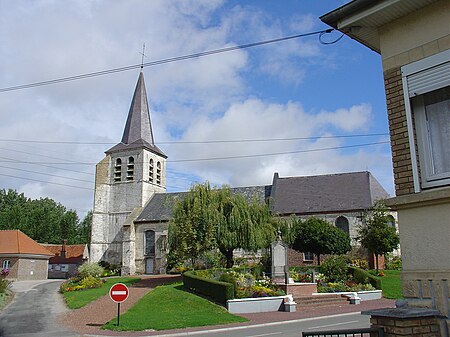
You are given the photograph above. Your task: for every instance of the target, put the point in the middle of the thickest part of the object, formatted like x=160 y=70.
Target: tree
x=191 y=232
x=44 y=220
x=240 y=223
x=319 y=237
x=218 y=219
x=376 y=234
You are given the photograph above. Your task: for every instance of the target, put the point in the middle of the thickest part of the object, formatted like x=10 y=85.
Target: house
x=22 y=256
x=66 y=259
x=132 y=209
x=413 y=39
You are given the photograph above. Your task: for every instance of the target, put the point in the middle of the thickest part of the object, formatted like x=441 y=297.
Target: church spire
x=138 y=126
x=138 y=131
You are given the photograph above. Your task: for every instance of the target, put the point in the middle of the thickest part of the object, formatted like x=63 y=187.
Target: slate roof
x=138 y=128
x=14 y=242
x=160 y=206
x=332 y=193
x=325 y=193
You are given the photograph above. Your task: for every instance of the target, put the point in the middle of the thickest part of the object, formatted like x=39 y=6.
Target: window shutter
x=429 y=79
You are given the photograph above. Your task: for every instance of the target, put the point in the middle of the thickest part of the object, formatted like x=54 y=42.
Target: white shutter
x=428 y=80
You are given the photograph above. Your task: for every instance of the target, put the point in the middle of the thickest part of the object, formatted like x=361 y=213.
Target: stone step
x=321 y=300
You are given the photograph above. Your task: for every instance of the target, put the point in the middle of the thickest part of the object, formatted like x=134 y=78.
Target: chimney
x=63 y=249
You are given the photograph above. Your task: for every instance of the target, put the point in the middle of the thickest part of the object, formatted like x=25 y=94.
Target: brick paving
x=89 y=319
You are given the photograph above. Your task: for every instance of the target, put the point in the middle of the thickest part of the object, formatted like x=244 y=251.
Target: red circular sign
x=119 y=292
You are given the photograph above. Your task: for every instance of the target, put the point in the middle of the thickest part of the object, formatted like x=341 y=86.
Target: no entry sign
x=119 y=292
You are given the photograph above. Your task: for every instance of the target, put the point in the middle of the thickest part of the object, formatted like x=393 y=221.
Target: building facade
x=413 y=39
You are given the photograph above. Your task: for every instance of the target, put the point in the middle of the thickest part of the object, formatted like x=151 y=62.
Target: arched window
x=342 y=224
x=158 y=173
x=150 y=171
x=391 y=220
x=118 y=170
x=130 y=169
x=149 y=243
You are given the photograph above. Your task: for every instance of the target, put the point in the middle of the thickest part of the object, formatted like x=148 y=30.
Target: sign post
x=119 y=292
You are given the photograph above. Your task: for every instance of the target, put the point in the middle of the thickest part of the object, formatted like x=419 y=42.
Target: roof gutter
x=351 y=8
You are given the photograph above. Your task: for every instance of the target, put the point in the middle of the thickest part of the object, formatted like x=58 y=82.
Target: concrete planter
x=258 y=304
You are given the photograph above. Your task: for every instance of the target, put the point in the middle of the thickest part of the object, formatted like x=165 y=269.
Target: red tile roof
x=16 y=242
x=71 y=250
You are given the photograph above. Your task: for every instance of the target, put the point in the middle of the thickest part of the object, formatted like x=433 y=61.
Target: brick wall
x=417 y=327
x=401 y=156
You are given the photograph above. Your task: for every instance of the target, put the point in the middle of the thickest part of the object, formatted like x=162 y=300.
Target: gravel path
x=90 y=318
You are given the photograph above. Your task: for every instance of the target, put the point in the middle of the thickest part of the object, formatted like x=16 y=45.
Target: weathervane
x=143 y=55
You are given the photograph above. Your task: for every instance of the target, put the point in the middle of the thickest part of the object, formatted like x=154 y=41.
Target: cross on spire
x=143 y=55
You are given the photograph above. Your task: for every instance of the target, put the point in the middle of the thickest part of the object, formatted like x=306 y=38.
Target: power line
x=229 y=157
x=200 y=142
x=47 y=182
x=47 y=174
x=162 y=61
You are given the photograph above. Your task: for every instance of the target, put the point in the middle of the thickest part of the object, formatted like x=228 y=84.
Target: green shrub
x=335 y=268
x=90 y=282
x=90 y=269
x=360 y=263
x=393 y=263
x=4 y=285
x=217 y=290
x=361 y=276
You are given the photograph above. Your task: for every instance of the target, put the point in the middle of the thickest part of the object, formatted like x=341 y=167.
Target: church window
x=118 y=170
x=158 y=173
x=130 y=169
x=342 y=224
x=390 y=220
x=150 y=171
x=149 y=243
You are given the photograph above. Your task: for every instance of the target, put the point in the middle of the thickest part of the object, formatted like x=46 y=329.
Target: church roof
x=355 y=191
x=138 y=131
x=160 y=207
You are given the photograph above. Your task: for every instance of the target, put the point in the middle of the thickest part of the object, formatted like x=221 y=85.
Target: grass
x=170 y=307
x=78 y=299
x=5 y=298
x=390 y=284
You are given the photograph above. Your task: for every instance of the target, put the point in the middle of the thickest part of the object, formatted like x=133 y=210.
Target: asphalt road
x=289 y=329
x=32 y=313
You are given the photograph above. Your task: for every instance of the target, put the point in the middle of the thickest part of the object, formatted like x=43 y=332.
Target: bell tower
x=131 y=172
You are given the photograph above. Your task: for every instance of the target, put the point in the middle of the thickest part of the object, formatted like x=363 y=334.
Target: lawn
x=170 y=307
x=390 y=284
x=78 y=299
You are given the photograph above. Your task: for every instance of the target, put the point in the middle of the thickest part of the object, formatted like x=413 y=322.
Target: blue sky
x=297 y=88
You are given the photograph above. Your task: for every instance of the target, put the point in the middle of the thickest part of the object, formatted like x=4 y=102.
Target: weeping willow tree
x=218 y=219
x=240 y=223
x=191 y=232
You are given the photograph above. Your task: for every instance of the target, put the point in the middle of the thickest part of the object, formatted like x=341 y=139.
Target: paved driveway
x=33 y=311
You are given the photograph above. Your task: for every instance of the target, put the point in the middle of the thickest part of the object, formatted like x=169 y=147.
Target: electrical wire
x=331 y=42
x=159 y=62
x=176 y=142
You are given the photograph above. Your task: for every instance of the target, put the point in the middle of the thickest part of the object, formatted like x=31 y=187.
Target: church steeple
x=138 y=131
x=138 y=124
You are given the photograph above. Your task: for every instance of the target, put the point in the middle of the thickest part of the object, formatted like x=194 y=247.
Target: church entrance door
x=149 y=266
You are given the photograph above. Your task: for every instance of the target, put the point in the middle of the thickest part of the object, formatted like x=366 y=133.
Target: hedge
x=217 y=290
x=362 y=276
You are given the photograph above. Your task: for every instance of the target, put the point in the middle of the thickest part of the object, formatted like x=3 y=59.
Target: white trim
x=412 y=144
x=428 y=62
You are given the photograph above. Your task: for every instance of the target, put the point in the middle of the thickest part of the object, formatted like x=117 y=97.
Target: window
x=118 y=170
x=432 y=117
x=6 y=264
x=308 y=256
x=64 y=267
x=342 y=224
x=149 y=243
x=130 y=169
x=426 y=85
x=150 y=171
x=158 y=173
x=390 y=220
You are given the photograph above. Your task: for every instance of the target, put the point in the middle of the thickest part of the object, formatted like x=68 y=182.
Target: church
x=132 y=209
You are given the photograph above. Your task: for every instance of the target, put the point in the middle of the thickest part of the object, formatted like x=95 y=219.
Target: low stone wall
x=299 y=289
x=259 y=304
